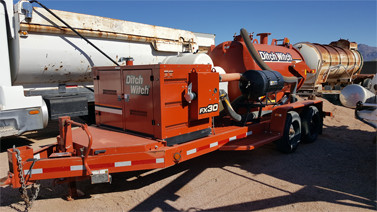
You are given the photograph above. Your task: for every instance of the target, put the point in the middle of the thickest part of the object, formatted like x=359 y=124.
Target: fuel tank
x=352 y=94
x=234 y=57
x=336 y=62
x=200 y=58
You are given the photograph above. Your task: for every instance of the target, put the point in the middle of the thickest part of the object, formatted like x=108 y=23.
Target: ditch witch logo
x=136 y=84
x=275 y=56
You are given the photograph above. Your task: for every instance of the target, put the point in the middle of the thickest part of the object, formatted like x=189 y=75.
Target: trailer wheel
x=310 y=124
x=292 y=133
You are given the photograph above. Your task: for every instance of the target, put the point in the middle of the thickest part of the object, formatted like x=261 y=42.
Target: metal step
x=8 y=131
x=250 y=142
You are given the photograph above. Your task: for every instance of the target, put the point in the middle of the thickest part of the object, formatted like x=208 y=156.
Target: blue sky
x=312 y=21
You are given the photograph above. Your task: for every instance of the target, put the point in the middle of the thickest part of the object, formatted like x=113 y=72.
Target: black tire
x=292 y=133
x=367 y=83
x=310 y=124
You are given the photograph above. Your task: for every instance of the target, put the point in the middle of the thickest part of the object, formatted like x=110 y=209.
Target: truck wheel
x=367 y=83
x=292 y=133
x=310 y=124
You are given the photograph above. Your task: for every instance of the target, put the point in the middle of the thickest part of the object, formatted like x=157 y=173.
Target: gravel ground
x=335 y=173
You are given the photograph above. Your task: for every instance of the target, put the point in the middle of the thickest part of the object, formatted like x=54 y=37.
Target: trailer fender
x=279 y=114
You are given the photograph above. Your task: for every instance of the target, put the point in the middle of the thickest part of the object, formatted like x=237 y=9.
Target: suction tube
x=252 y=51
x=254 y=54
x=228 y=107
x=293 y=92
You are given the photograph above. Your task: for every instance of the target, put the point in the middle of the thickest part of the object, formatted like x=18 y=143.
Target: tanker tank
x=47 y=53
x=335 y=65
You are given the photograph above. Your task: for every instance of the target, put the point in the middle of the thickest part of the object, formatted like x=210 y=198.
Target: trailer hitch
x=6 y=180
x=35 y=187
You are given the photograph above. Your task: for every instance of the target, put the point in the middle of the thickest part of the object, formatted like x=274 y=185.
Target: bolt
x=156 y=147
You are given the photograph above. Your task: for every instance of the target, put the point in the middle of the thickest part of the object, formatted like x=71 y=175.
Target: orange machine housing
x=149 y=100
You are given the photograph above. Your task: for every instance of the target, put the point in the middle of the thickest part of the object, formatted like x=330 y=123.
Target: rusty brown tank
x=335 y=64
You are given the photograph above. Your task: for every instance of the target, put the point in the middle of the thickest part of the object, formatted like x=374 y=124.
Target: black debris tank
x=255 y=84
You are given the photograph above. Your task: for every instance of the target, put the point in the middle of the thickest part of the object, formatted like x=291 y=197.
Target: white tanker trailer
x=46 y=66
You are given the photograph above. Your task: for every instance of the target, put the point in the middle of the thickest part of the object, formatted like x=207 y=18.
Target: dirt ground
x=335 y=173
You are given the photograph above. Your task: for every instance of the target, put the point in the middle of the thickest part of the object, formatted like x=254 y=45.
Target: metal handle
x=85 y=128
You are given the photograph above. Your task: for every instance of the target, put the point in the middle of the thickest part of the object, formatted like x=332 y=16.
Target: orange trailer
x=156 y=116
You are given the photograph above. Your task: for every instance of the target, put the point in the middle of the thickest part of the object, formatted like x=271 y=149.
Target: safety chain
x=23 y=190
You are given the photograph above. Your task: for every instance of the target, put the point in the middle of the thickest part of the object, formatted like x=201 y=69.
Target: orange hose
x=230 y=77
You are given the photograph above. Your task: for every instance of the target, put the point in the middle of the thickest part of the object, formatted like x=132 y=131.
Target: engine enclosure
x=148 y=100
